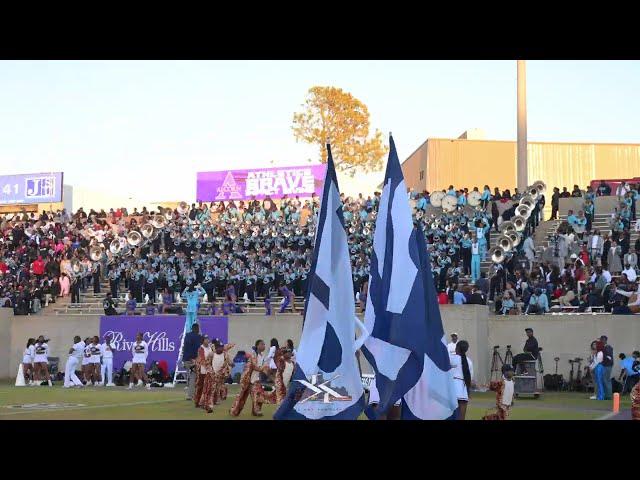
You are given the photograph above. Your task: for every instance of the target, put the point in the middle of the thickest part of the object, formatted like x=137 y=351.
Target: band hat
x=455 y=333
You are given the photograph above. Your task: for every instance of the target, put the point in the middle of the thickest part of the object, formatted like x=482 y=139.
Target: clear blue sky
x=163 y=121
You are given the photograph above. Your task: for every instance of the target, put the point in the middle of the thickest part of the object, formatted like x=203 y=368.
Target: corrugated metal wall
x=472 y=163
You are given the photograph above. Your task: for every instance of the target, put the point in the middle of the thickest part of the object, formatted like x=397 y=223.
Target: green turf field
x=117 y=403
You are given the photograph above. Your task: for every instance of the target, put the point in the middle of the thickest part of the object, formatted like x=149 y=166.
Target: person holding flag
x=406 y=347
x=326 y=382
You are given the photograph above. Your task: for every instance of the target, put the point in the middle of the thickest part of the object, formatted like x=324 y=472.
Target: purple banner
x=260 y=182
x=163 y=333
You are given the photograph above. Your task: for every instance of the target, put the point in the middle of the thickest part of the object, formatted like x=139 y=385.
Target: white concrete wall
x=565 y=336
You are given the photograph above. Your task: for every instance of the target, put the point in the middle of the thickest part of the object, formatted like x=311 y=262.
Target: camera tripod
x=575 y=382
x=496 y=365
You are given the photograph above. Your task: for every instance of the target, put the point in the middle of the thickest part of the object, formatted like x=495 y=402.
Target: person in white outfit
x=76 y=353
x=41 y=361
x=93 y=369
x=139 y=361
x=462 y=375
x=107 y=362
x=27 y=361
x=451 y=346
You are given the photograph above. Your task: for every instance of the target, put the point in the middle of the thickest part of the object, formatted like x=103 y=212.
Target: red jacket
x=443 y=298
x=3 y=267
x=38 y=267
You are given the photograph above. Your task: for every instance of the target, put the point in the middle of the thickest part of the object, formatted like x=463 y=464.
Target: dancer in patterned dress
x=284 y=370
x=221 y=368
x=203 y=397
x=504 y=395
x=635 y=402
x=250 y=384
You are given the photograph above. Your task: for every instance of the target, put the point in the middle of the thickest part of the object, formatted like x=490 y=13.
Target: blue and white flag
x=326 y=383
x=406 y=346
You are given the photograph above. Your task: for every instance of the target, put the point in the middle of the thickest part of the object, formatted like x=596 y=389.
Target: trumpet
x=134 y=238
x=419 y=215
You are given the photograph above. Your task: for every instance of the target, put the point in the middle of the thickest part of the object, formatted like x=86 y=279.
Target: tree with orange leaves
x=332 y=115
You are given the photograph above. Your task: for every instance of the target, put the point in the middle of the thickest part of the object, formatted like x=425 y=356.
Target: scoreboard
x=31 y=188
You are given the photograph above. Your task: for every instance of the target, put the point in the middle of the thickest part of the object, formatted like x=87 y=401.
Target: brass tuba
x=497 y=255
x=134 y=238
x=114 y=247
x=95 y=253
x=505 y=244
x=506 y=226
x=540 y=186
x=519 y=222
x=158 y=221
x=183 y=208
x=528 y=200
x=523 y=211
x=147 y=230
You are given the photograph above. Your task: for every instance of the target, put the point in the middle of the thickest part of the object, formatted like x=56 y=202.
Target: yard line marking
x=130 y=404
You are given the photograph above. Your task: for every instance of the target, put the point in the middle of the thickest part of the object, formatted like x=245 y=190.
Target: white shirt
x=631 y=274
x=475 y=248
x=507 y=394
x=27 y=355
x=41 y=353
x=139 y=351
x=207 y=354
x=218 y=362
x=78 y=350
x=107 y=352
x=255 y=375
x=594 y=241
x=607 y=275
x=287 y=373
x=270 y=356
x=96 y=351
x=451 y=347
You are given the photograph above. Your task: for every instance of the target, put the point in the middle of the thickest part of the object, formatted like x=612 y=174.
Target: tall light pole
x=521 y=165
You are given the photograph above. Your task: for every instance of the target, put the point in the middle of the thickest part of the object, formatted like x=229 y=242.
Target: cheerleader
x=94 y=360
x=139 y=360
x=462 y=375
x=203 y=397
x=27 y=361
x=86 y=359
x=250 y=384
x=41 y=361
x=76 y=353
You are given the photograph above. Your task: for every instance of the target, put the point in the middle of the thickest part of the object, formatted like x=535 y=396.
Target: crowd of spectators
x=261 y=247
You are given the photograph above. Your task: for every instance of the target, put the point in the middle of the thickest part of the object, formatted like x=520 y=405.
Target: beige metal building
x=462 y=162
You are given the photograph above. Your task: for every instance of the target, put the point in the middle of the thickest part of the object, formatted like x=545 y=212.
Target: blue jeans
x=599 y=374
